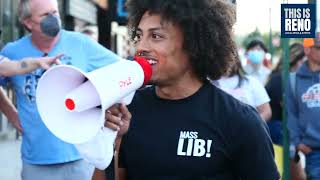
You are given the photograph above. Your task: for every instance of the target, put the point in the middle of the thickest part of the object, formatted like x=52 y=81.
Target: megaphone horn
x=75 y=111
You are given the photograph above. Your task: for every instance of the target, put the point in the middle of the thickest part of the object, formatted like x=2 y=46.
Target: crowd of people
x=203 y=116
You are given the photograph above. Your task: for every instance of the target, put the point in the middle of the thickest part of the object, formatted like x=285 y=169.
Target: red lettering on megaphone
x=125 y=83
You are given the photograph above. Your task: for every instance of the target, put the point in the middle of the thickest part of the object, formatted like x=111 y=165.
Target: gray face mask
x=50 y=25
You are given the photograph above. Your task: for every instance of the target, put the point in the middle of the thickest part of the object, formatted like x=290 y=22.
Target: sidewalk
x=10 y=161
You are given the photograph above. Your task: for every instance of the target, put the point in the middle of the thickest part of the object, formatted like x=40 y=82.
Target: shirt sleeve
x=1 y=58
x=253 y=156
x=3 y=80
x=97 y=56
x=259 y=93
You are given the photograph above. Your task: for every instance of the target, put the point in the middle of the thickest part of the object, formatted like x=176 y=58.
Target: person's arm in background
x=261 y=99
x=9 y=111
x=264 y=111
x=26 y=65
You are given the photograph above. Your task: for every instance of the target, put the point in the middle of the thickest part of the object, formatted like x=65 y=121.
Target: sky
x=256 y=13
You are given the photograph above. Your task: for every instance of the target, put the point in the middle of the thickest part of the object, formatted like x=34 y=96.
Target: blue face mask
x=256 y=57
x=50 y=25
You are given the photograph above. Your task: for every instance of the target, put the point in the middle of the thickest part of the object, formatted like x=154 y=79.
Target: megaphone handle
x=110 y=134
x=127 y=100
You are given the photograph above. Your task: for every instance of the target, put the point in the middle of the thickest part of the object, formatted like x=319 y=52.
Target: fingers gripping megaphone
x=75 y=111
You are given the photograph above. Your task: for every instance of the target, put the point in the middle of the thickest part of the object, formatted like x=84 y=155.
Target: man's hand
x=13 y=118
x=16 y=123
x=118 y=118
x=9 y=110
x=46 y=62
x=304 y=148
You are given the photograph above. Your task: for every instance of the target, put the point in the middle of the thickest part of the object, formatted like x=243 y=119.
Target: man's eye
x=137 y=38
x=156 y=36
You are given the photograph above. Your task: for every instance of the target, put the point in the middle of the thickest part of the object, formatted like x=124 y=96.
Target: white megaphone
x=74 y=110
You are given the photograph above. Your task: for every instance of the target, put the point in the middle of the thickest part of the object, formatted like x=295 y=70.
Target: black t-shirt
x=274 y=89
x=207 y=136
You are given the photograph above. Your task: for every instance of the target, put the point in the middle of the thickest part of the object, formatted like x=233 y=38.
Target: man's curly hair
x=206 y=26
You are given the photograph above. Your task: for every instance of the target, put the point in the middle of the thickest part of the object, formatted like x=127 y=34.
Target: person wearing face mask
x=255 y=52
x=44 y=156
x=246 y=89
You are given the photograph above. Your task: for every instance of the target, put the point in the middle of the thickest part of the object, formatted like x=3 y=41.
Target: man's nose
x=143 y=45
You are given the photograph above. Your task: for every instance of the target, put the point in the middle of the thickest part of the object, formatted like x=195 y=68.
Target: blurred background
x=105 y=21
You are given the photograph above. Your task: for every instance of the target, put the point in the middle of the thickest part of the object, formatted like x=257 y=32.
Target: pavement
x=10 y=161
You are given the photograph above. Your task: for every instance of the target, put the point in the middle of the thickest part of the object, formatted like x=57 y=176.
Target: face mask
x=50 y=25
x=256 y=57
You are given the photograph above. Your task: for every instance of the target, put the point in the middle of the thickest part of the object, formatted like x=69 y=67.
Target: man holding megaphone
x=184 y=127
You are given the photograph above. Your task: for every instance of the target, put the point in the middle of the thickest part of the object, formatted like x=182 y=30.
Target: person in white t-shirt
x=247 y=89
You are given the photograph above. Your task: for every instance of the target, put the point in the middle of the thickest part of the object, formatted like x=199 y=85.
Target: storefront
x=8 y=21
x=78 y=13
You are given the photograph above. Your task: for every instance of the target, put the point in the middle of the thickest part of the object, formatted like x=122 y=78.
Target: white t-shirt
x=251 y=91
x=261 y=74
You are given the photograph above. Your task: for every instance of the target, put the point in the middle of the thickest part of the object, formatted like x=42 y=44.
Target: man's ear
x=27 y=23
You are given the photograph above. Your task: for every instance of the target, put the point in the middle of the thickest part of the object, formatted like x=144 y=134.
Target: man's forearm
x=265 y=111
x=10 y=68
x=6 y=105
x=27 y=65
